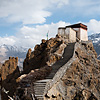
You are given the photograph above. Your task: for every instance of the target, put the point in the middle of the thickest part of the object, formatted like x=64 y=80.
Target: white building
x=74 y=32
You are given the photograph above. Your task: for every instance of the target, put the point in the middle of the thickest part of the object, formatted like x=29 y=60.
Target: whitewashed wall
x=67 y=31
x=72 y=35
x=83 y=34
x=61 y=32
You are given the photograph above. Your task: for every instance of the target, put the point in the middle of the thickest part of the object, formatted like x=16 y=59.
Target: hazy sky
x=26 y=22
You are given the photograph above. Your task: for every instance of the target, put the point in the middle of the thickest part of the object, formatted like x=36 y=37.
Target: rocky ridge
x=79 y=78
x=38 y=63
x=96 y=42
x=47 y=53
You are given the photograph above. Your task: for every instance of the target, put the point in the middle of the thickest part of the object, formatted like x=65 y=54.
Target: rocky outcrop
x=47 y=53
x=72 y=71
x=0 y=68
x=79 y=78
x=9 y=73
x=37 y=64
x=9 y=67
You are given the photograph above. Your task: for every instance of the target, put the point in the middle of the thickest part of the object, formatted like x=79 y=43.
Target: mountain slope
x=96 y=42
x=7 y=50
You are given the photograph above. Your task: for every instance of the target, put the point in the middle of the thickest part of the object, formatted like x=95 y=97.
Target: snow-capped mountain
x=95 y=38
x=7 y=50
x=96 y=42
x=14 y=51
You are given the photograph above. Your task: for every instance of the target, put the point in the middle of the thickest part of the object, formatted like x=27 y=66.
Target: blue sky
x=26 y=22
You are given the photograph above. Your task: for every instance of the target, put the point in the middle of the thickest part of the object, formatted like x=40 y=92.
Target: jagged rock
x=0 y=74
x=79 y=78
x=48 y=52
x=44 y=41
x=9 y=73
x=29 y=53
x=9 y=67
x=0 y=68
x=21 y=77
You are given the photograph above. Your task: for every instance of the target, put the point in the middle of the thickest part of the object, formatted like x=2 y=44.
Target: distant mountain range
x=96 y=42
x=6 y=51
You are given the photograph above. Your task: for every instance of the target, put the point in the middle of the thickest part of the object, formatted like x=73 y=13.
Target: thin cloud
x=94 y=26
x=27 y=11
x=7 y=40
x=30 y=36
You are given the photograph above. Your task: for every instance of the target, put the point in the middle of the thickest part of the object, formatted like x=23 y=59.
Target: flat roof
x=79 y=25
x=61 y=27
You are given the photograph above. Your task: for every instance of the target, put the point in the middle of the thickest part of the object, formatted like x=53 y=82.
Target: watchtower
x=74 y=32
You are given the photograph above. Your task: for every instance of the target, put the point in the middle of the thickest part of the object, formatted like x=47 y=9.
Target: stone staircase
x=39 y=86
x=68 y=53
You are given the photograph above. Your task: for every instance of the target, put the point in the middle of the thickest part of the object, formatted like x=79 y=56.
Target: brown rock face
x=0 y=72
x=47 y=53
x=0 y=68
x=9 y=73
x=9 y=67
x=79 y=78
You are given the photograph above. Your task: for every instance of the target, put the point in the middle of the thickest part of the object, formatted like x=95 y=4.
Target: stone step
x=36 y=92
x=40 y=93
x=38 y=84
x=39 y=87
x=42 y=88
x=39 y=96
x=39 y=90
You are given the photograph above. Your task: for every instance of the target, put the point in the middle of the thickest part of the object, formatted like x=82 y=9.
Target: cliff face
x=79 y=78
x=9 y=67
x=47 y=53
x=9 y=73
x=0 y=72
x=0 y=68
